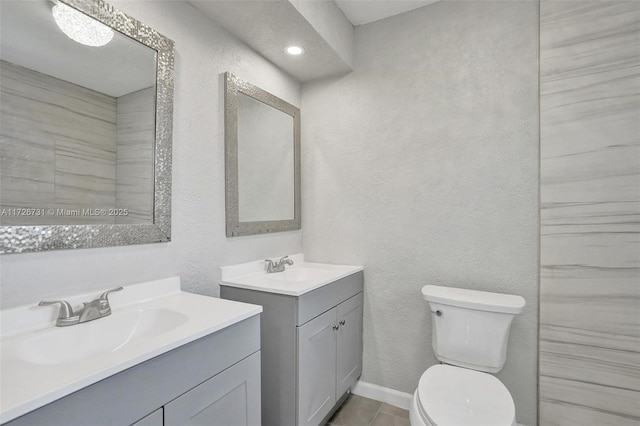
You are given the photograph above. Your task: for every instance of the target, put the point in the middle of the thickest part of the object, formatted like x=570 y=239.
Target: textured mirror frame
x=22 y=239
x=235 y=228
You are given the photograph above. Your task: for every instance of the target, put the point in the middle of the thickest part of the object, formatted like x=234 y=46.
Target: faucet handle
x=105 y=295
x=65 y=308
x=284 y=260
x=103 y=302
x=270 y=265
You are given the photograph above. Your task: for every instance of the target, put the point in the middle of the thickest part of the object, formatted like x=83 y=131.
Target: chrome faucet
x=279 y=265
x=95 y=309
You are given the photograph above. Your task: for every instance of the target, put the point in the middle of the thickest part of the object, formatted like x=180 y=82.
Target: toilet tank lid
x=474 y=299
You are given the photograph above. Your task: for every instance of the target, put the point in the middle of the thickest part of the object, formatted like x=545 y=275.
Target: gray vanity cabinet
x=213 y=381
x=311 y=349
x=154 y=419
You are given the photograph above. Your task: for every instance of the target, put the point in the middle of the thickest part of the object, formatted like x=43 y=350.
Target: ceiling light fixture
x=80 y=27
x=294 y=50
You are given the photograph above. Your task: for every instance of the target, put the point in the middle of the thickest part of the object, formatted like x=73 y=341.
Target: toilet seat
x=455 y=396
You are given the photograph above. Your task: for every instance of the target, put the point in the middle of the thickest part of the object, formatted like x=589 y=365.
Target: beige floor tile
x=356 y=411
x=394 y=411
x=384 y=419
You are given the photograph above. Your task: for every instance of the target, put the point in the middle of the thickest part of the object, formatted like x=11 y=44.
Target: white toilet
x=470 y=336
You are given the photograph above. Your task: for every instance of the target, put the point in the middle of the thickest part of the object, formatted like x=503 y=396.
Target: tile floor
x=360 y=411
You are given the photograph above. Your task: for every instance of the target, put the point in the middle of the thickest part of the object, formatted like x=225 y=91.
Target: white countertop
x=298 y=279
x=26 y=386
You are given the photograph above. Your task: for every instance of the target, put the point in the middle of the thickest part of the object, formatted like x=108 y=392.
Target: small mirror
x=262 y=139
x=85 y=126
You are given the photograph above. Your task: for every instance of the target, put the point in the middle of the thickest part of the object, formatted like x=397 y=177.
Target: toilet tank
x=470 y=327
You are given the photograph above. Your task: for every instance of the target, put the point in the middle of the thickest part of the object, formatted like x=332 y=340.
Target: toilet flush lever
x=439 y=313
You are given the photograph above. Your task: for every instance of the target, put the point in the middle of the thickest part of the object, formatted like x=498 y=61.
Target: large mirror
x=262 y=150
x=85 y=127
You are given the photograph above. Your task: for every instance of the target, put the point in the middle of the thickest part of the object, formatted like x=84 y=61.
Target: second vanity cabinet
x=311 y=349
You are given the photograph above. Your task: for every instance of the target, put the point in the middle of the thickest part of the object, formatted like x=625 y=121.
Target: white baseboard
x=380 y=393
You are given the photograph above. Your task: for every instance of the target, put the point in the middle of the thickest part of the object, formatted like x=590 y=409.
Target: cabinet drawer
x=312 y=304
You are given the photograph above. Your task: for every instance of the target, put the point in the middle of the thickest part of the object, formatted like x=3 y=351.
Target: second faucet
x=279 y=265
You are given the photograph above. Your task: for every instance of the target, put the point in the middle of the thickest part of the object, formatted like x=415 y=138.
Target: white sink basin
x=295 y=280
x=60 y=345
x=300 y=273
x=41 y=363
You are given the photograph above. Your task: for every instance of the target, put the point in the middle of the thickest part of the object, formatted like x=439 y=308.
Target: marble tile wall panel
x=590 y=212
x=58 y=147
x=135 y=177
x=85 y=173
x=26 y=154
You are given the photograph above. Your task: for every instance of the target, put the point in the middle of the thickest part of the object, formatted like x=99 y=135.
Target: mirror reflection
x=78 y=123
x=265 y=162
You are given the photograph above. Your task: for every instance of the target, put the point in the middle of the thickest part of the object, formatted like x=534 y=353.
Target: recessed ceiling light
x=294 y=50
x=80 y=27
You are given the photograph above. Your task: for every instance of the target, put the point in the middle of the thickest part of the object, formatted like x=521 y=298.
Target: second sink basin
x=300 y=278
x=63 y=345
x=300 y=274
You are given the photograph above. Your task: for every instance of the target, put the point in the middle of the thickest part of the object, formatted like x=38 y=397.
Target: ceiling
x=268 y=27
x=360 y=12
x=323 y=27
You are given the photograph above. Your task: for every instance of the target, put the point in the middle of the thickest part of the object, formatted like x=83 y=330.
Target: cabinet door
x=316 y=369
x=231 y=398
x=349 y=351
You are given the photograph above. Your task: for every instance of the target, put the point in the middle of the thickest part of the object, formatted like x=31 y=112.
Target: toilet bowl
x=456 y=396
x=470 y=334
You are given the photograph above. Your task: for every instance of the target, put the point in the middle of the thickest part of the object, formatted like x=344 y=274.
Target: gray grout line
x=377 y=412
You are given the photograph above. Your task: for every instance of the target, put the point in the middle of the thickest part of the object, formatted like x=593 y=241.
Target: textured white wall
x=198 y=245
x=422 y=165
